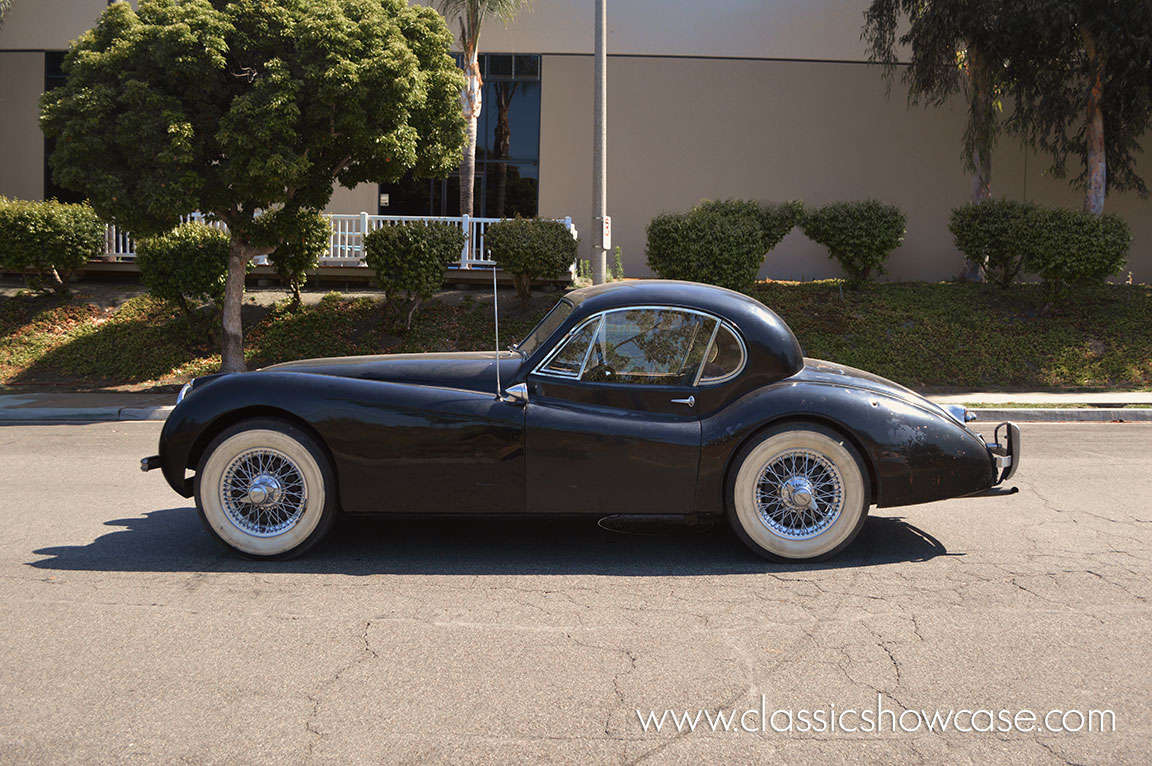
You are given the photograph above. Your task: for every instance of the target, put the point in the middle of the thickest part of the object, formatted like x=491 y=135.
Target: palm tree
x=5 y=6
x=471 y=15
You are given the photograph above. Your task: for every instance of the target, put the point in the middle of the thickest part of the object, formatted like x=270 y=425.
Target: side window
x=724 y=358
x=569 y=359
x=648 y=346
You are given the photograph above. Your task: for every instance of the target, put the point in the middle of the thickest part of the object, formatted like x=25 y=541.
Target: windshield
x=547 y=326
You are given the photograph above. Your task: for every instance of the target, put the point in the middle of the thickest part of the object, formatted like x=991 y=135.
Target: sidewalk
x=84 y=408
x=35 y=407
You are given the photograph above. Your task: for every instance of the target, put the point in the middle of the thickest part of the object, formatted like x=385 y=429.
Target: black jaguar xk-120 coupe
x=642 y=397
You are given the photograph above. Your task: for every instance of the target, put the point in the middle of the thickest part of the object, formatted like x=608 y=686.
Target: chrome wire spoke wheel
x=266 y=489
x=263 y=492
x=798 y=491
x=800 y=494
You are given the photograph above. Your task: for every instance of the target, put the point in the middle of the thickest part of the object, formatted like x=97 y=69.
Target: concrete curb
x=27 y=415
x=1057 y=415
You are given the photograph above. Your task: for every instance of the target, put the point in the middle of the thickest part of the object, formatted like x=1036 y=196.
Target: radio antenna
x=496 y=316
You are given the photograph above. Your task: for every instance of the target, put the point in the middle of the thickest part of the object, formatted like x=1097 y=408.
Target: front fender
x=913 y=453
x=215 y=402
x=394 y=446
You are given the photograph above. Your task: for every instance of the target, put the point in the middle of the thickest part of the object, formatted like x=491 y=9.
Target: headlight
x=959 y=413
x=184 y=390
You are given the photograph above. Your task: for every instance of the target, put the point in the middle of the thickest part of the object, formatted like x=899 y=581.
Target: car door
x=611 y=423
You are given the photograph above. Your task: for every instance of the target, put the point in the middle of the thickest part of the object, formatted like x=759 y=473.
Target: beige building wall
x=780 y=29
x=363 y=199
x=49 y=25
x=685 y=129
x=21 y=142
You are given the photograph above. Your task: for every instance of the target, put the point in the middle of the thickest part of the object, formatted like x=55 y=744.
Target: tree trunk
x=232 y=342
x=982 y=124
x=504 y=93
x=1096 y=183
x=470 y=99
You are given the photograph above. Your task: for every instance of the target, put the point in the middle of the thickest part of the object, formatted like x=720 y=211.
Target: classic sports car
x=643 y=397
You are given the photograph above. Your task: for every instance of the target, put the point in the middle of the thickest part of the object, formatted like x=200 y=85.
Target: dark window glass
x=648 y=346
x=547 y=326
x=527 y=67
x=499 y=65
x=507 y=150
x=53 y=78
x=570 y=359
x=724 y=357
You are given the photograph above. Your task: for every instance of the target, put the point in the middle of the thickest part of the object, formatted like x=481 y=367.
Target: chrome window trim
x=591 y=343
x=707 y=348
x=602 y=316
x=560 y=344
x=739 y=368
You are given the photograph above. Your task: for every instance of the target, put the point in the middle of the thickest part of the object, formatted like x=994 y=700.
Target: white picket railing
x=346 y=242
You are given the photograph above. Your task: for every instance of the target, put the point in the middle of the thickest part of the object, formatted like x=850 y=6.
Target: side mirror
x=517 y=394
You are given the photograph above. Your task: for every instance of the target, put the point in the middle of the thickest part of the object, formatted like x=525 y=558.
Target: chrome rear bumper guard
x=1005 y=451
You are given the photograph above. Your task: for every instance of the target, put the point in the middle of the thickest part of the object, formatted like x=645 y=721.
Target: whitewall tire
x=798 y=491
x=266 y=489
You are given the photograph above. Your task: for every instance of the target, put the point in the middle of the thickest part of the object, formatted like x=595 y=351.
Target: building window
x=54 y=77
x=507 y=177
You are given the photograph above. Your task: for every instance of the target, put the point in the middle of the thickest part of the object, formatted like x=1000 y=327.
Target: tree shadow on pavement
x=174 y=540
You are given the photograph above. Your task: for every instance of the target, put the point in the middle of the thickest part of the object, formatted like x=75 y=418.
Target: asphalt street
x=130 y=636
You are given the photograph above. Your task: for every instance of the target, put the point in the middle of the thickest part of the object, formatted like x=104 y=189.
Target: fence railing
x=346 y=241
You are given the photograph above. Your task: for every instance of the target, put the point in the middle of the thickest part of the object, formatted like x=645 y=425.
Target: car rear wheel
x=266 y=489
x=798 y=491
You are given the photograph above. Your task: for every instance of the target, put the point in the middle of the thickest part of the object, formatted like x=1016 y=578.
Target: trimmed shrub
x=51 y=238
x=188 y=263
x=860 y=235
x=409 y=260
x=718 y=242
x=531 y=248
x=1073 y=247
x=306 y=239
x=1064 y=247
x=776 y=221
x=991 y=234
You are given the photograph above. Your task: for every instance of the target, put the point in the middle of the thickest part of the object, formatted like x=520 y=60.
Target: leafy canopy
x=239 y=107
x=1059 y=48
x=953 y=46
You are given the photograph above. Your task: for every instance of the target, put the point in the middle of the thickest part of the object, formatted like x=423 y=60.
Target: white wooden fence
x=346 y=242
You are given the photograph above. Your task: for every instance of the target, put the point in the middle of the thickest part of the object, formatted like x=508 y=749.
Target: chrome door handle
x=690 y=401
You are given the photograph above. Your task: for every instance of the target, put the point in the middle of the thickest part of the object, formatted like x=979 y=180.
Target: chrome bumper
x=1005 y=450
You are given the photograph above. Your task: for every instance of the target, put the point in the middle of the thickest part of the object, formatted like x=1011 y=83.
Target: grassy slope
x=923 y=335
x=974 y=336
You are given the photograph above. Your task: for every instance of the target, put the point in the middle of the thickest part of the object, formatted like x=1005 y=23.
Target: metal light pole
x=599 y=153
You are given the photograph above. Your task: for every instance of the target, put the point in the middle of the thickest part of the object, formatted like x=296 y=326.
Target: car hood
x=820 y=371
x=468 y=370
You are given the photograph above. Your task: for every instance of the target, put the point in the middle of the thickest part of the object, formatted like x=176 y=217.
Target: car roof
x=773 y=349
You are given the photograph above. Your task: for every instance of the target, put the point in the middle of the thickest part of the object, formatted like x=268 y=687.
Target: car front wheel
x=265 y=489
x=799 y=491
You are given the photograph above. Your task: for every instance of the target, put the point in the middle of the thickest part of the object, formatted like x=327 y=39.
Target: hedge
x=409 y=260
x=51 y=238
x=305 y=240
x=860 y=235
x=1064 y=247
x=531 y=248
x=719 y=242
x=990 y=234
x=188 y=263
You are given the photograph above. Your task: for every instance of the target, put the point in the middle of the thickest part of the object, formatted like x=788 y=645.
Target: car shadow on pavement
x=173 y=540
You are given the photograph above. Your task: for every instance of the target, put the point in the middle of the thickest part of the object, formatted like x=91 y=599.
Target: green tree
x=954 y=46
x=470 y=15
x=1083 y=87
x=249 y=111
